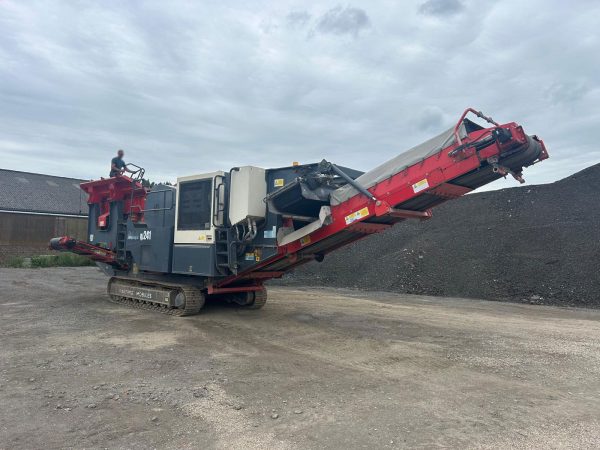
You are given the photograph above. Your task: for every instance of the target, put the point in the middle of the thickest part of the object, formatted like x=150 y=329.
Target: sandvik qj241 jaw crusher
x=223 y=234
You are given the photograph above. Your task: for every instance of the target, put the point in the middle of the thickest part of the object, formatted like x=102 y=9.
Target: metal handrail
x=464 y=114
x=216 y=198
x=164 y=199
x=137 y=177
x=138 y=174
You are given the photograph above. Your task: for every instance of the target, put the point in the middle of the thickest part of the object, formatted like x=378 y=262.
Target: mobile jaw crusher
x=223 y=234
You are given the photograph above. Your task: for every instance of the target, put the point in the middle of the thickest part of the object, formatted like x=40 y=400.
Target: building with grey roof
x=35 y=208
x=42 y=194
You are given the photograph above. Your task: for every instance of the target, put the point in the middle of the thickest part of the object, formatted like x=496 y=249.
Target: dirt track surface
x=314 y=369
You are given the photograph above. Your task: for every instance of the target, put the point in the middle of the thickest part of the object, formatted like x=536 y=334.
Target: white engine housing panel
x=247 y=191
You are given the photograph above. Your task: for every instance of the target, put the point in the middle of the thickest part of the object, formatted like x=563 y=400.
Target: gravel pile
x=534 y=244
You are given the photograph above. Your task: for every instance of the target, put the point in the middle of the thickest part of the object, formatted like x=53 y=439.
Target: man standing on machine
x=118 y=166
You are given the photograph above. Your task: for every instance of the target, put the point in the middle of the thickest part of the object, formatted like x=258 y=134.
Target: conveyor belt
x=401 y=162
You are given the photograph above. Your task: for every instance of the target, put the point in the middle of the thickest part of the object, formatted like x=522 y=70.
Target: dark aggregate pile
x=535 y=244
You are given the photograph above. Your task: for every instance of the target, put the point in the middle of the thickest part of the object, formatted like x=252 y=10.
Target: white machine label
x=350 y=218
x=143 y=236
x=305 y=240
x=420 y=185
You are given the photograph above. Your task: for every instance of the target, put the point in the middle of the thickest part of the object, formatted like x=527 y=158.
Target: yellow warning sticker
x=305 y=240
x=202 y=238
x=350 y=218
x=279 y=182
x=420 y=185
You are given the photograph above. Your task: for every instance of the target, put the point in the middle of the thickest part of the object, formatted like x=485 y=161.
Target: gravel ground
x=316 y=368
x=532 y=244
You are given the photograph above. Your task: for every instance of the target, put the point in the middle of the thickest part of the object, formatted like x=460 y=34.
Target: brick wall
x=29 y=234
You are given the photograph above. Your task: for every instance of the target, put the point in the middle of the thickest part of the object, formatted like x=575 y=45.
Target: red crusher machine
x=223 y=234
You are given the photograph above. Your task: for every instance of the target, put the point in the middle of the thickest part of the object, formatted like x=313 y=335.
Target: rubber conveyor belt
x=398 y=164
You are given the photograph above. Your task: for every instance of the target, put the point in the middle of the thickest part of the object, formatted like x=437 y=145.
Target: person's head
x=120 y=153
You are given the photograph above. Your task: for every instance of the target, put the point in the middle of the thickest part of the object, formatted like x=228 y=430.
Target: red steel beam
x=449 y=191
x=408 y=214
x=369 y=228
x=232 y=290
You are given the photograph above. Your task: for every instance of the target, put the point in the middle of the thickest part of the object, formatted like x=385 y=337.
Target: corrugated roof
x=35 y=192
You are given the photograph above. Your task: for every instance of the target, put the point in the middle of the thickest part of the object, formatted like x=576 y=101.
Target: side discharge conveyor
x=223 y=234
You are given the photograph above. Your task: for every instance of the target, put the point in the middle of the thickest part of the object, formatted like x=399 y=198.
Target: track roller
x=256 y=299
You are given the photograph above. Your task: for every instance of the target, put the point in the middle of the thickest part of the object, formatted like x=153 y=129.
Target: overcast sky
x=190 y=87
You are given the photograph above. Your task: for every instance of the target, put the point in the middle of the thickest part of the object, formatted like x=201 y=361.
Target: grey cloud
x=298 y=19
x=195 y=87
x=441 y=7
x=343 y=20
x=430 y=119
x=567 y=92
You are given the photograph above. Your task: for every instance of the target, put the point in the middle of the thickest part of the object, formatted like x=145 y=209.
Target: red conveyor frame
x=452 y=162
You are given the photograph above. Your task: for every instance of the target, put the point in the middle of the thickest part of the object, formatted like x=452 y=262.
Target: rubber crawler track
x=194 y=299
x=260 y=298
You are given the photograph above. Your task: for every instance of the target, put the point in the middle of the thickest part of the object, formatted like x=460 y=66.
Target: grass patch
x=14 y=262
x=60 y=260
